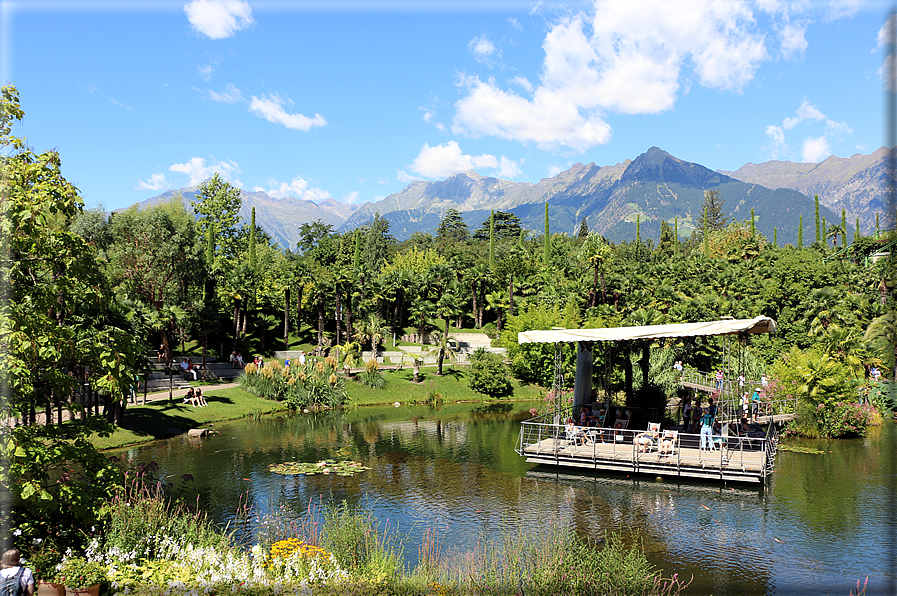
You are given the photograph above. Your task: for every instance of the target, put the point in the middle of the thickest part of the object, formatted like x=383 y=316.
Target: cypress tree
x=775 y=237
x=818 y=235
x=706 y=236
x=876 y=226
x=823 y=228
x=856 y=231
x=252 y=258
x=753 y=224
x=843 y=227
x=800 y=233
x=545 y=240
x=491 y=238
x=676 y=236
x=521 y=241
x=638 y=229
x=356 y=259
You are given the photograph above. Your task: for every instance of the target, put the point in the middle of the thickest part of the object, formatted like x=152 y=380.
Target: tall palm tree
x=596 y=252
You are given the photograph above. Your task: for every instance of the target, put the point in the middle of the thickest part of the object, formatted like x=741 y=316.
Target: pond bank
x=161 y=418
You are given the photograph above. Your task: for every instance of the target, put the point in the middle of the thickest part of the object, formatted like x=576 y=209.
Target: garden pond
x=824 y=521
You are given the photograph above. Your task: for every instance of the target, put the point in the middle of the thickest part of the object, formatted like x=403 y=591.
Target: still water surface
x=824 y=521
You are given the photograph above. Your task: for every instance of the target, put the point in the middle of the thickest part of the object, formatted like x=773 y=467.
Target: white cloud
x=554 y=171
x=230 y=95
x=509 y=168
x=776 y=145
x=350 y=197
x=218 y=19
x=484 y=51
x=197 y=170
x=815 y=149
x=154 y=182
x=430 y=119
x=523 y=83
x=447 y=159
x=806 y=111
x=794 y=39
x=403 y=176
x=515 y=24
x=271 y=108
x=628 y=58
x=298 y=188
x=206 y=72
x=887 y=31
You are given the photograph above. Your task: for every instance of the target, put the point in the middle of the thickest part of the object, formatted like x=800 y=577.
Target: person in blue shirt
x=707 y=429
x=755 y=404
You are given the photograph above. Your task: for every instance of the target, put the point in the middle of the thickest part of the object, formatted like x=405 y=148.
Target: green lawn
x=164 y=419
x=452 y=385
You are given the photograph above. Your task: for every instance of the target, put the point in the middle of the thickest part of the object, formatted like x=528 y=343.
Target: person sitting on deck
x=576 y=434
x=668 y=442
x=646 y=439
x=584 y=415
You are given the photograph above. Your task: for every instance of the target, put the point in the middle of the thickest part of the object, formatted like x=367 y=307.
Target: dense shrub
x=488 y=375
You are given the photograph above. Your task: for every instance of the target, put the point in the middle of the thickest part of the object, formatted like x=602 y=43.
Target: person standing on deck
x=755 y=404
x=719 y=380
x=707 y=430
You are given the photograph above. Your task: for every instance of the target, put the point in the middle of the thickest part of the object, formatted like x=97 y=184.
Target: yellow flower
x=332 y=379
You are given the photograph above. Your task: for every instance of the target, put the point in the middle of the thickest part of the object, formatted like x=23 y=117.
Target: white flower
x=17 y=532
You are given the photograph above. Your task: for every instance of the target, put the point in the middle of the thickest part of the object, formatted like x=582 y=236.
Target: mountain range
x=653 y=187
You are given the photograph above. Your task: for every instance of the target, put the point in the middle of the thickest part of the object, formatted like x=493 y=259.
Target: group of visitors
x=188 y=367
x=236 y=359
x=195 y=398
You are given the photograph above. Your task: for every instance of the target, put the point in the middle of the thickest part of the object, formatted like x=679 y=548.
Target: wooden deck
x=739 y=460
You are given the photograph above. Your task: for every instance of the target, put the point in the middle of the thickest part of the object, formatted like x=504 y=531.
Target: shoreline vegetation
x=155 y=544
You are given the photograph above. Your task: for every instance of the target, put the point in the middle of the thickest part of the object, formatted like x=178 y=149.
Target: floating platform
x=739 y=459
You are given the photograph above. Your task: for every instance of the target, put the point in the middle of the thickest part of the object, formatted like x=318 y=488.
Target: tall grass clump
x=144 y=523
x=362 y=546
x=315 y=384
x=550 y=560
x=371 y=375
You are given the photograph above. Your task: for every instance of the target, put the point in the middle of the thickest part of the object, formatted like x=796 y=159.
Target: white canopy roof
x=724 y=327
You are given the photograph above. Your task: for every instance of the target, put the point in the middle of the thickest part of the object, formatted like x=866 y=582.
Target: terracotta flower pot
x=50 y=589
x=91 y=591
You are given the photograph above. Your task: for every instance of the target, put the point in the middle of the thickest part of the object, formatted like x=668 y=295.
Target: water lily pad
x=325 y=466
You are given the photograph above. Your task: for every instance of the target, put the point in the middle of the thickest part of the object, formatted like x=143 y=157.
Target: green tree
x=253 y=259
x=217 y=205
x=818 y=229
x=843 y=228
x=715 y=218
x=504 y=225
x=376 y=246
x=452 y=227
x=583 y=229
x=753 y=224
x=154 y=257
x=546 y=240
x=59 y=326
x=667 y=244
x=800 y=233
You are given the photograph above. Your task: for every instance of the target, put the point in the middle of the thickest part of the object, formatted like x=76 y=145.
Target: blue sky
x=354 y=99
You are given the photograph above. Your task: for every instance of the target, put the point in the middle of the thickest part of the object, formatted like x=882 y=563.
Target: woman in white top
x=10 y=567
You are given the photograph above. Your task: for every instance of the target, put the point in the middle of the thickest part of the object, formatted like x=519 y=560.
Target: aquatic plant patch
x=800 y=449
x=325 y=466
